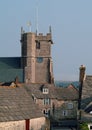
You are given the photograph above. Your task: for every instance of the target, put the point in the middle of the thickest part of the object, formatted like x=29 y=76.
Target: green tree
x=84 y=126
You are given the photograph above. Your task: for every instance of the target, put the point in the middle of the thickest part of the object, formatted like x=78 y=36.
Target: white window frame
x=46 y=101
x=64 y=112
x=70 y=105
x=45 y=91
x=46 y=112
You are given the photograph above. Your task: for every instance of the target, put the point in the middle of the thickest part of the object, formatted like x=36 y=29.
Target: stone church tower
x=36 y=58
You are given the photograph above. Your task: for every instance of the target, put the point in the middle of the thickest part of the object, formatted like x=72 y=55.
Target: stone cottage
x=85 y=92
x=19 y=112
x=56 y=103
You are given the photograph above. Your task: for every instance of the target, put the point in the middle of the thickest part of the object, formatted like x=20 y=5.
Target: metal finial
x=50 y=30
x=29 y=25
x=22 y=30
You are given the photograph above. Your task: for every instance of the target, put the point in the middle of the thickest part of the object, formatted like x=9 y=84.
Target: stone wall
x=67 y=110
x=45 y=49
x=12 y=125
x=35 y=124
x=39 y=123
x=60 y=109
x=41 y=71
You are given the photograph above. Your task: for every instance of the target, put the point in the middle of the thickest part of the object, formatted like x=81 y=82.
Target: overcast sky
x=71 y=22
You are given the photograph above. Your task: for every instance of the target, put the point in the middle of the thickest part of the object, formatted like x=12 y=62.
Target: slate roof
x=86 y=102
x=10 y=62
x=54 y=92
x=17 y=104
x=88 y=108
x=87 y=87
x=86 y=117
x=67 y=93
x=10 y=68
x=86 y=91
x=8 y=75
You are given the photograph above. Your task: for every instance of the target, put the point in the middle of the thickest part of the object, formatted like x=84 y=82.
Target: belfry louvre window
x=37 y=44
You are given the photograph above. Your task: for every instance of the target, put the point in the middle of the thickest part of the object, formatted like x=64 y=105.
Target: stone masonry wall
x=35 y=124
x=58 y=107
x=39 y=123
x=42 y=71
x=36 y=72
x=12 y=125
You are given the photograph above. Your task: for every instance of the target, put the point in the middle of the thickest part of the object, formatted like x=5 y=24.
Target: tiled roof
x=54 y=92
x=67 y=93
x=16 y=104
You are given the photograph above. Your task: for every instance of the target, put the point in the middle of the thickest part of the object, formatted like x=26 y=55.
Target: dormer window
x=45 y=91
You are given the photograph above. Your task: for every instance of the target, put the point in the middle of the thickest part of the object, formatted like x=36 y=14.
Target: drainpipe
x=27 y=124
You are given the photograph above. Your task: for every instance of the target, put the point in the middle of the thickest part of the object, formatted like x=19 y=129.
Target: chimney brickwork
x=82 y=73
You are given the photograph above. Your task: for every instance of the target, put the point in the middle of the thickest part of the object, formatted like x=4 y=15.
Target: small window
x=70 y=105
x=45 y=91
x=90 y=127
x=46 y=112
x=37 y=45
x=39 y=59
x=65 y=113
x=46 y=101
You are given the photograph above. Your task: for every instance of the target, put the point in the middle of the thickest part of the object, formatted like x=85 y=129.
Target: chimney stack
x=82 y=73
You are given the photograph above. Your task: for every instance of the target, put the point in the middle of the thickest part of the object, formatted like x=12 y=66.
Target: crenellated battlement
x=41 y=37
x=38 y=37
